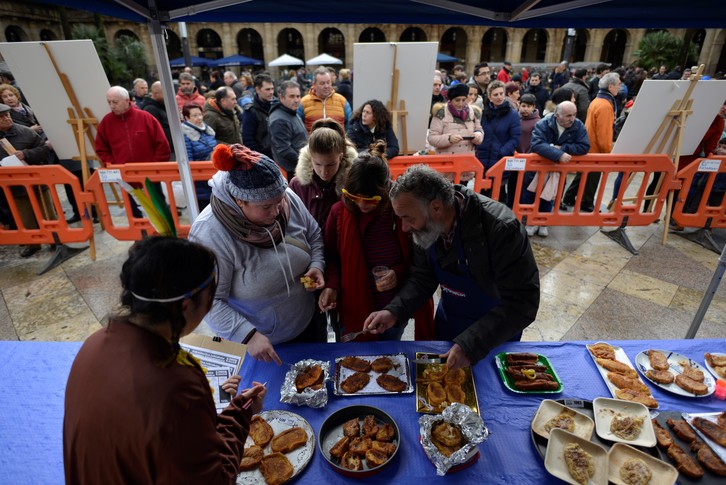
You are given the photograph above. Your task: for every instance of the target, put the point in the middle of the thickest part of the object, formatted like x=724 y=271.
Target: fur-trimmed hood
x=304 y=171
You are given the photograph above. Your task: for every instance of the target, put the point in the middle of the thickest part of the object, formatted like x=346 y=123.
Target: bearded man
x=188 y=92
x=476 y=249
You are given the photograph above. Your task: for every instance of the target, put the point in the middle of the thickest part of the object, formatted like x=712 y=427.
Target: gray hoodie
x=256 y=287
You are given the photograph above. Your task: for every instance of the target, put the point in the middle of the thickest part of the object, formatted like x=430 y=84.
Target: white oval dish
x=642 y=362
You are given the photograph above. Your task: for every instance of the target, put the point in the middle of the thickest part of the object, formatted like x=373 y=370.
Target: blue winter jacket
x=199 y=141
x=502 y=130
x=573 y=140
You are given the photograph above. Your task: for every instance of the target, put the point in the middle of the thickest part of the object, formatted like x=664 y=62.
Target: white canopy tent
x=286 y=60
x=323 y=59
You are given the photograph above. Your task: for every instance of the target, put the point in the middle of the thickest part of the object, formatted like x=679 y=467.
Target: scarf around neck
x=463 y=114
x=243 y=230
x=605 y=94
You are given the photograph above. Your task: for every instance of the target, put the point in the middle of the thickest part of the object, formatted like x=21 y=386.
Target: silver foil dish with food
x=305 y=384
x=470 y=425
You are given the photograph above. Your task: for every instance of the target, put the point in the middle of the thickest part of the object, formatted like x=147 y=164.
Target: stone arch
x=173 y=45
x=579 y=46
x=209 y=44
x=290 y=41
x=249 y=43
x=372 y=34
x=48 y=34
x=14 y=33
x=534 y=46
x=494 y=45
x=614 y=47
x=332 y=41
x=413 y=34
x=125 y=33
x=453 y=42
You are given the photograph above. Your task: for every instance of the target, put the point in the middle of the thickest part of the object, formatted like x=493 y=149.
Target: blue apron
x=462 y=300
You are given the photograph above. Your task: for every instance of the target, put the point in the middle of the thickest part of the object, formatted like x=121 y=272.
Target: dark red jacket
x=135 y=136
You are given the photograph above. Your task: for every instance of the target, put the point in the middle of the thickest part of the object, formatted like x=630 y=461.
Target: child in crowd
x=529 y=117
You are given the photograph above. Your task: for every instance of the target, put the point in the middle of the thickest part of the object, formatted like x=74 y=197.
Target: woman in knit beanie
x=266 y=243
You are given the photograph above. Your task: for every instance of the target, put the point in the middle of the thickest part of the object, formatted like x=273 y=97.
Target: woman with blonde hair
x=321 y=168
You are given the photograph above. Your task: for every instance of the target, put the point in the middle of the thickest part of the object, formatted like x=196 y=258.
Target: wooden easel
x=674 y=121
x=398 y=108
x=81 y=121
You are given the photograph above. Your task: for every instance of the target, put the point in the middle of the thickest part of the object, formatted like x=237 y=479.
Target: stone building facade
x=21 y=21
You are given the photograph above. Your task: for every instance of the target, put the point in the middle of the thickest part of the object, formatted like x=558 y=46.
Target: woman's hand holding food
x=328 y=299
x=260 y=348
x=313 y=279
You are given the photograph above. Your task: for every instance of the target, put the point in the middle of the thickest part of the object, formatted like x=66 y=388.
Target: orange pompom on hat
x=252 y=176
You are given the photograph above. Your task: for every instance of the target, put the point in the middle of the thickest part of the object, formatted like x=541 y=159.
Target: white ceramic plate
x=280 y=421
x=719 y=450
x=642 y=362
x=663 y=473
x=549 y=409
x=711 y=369
x=620 y=356
x=605 y=410
x=555 y=459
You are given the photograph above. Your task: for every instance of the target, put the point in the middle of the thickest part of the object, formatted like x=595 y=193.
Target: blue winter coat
x=573 y=140
x=199 y=141
x=502 y=130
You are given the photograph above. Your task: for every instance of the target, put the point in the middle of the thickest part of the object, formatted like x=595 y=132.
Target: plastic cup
x=380 y=272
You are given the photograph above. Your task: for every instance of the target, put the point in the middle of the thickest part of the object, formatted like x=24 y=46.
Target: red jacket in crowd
x=134 y=136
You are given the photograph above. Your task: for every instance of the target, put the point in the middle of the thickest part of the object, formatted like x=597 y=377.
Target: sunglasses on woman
x=375 y=200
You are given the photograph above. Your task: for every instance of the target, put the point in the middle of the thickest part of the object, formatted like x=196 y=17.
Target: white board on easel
x=655 y=99
x=36 y=76
x=415 y=61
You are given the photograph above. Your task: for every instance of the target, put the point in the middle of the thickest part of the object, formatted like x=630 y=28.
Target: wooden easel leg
x=80 y=132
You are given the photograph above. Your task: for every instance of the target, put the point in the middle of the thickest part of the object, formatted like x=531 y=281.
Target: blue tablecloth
x=33 y=377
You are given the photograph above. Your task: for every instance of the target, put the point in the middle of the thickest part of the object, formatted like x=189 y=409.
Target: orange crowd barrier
x=128 y=227
x=700 y=201
x=452 y=165
x=34 y=188
x=632 y=206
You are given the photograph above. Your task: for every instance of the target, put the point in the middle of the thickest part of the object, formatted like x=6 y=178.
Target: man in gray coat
x=287 y=131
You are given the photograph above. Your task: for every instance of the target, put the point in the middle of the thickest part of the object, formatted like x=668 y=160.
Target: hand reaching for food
x=456 y=358
x=260 y=348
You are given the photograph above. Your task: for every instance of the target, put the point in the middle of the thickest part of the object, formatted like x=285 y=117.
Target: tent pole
x=708 y=296
x=162 y=63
